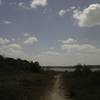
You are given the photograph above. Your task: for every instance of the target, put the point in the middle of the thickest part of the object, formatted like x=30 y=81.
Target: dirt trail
x=57 y=93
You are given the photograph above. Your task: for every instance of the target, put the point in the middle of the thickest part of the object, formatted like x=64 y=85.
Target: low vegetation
x=82 y=84
x=23 y=80
x=26 y=80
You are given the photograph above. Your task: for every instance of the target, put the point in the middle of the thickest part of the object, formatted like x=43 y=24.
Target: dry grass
x=24 y=86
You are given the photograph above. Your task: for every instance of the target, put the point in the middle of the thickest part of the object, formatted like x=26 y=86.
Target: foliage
x=82 y=70
x=82 y=84
x=24 y=86
x=8 y=64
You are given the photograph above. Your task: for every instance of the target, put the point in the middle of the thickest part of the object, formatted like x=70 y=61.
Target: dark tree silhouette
x=82 y=70
x=18 y=65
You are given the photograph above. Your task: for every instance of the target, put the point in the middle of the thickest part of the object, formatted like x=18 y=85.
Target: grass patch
x=24 y=86
x=83 y=87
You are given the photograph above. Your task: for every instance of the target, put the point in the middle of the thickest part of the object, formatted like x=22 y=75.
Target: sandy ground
x=56 y=93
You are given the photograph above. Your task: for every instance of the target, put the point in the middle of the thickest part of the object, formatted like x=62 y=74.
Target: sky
x=53 y=32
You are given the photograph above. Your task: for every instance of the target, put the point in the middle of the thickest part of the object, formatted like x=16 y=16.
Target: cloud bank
x=4 y=41
x=31 y=40
x=73 y=46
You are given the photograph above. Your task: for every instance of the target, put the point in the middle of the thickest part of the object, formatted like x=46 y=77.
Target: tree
x=82 y=69
x=35 y=67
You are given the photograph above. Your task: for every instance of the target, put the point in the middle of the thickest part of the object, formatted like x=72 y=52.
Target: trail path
x=57 y=93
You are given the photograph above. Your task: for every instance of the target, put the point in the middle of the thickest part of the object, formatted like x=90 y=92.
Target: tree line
x=8 y=64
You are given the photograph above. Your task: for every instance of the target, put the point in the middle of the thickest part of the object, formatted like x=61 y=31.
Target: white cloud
x=26 y=34
x=15 y=46
x=13 y=39
x=75 y=47
x=23 y=5
x=72 y=8
x=12 y=49
x=7 y=22
x=68 y=41
x=62 y=12
x=31 y=40
x=4 y=41
x=51 y=53
x=79 y=47
x=89 y=17
x=13 y=52
x=71 y=52
x=36 y=3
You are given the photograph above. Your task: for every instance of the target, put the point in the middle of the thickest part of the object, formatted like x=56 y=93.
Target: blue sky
x=53 y=32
